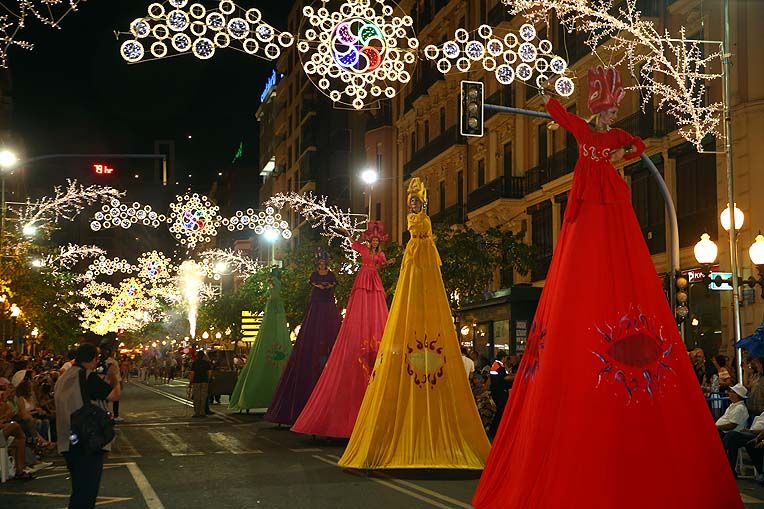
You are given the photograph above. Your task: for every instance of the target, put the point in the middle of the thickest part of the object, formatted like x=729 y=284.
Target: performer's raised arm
x=570 y=121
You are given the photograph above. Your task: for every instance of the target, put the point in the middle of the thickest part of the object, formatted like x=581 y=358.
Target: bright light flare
x=191 y=276
x=369 y=176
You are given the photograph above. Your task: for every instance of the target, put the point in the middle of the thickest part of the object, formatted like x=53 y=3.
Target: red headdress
x=375 y=230
x=605 y=88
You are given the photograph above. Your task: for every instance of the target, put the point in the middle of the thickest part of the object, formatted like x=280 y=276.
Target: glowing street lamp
x=8 y=159
x=15 y=311
x=706 y=250
x=218 y=335
x=29 y=230
x=726 y=220
x=369 y=176
x=205 y=335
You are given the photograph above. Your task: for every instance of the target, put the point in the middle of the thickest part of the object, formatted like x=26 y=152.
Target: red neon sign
x=103 y=169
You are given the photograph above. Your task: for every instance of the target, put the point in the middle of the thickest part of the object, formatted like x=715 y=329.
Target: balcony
x=499 y=14
x=450 y=215
x=649 y=124
x=380 y=118
x=559 y=164
x=429 y=76
x=432 y=150
x=308 y=170
x=280 y=124
x=502 y=187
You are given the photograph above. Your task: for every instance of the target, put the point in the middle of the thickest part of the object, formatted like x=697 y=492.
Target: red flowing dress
x=605 y=411
x=333 y=407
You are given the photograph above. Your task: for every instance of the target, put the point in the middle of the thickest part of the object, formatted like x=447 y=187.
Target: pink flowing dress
x=333 y=407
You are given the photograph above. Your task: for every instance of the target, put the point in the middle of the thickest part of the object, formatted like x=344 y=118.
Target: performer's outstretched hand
x=616 y=156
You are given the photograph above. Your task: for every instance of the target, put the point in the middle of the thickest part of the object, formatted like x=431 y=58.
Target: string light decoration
x=177 y=27
x=234 y=261
x=336 y=224
x=155 y=265
x=675 y=71
x=512 y=55
x=357 y=51
x=119 y=311
x=48 y=12
x=108 y=267
x=67 y=203
x=260 y=221
x=68 y=256
x=193 y=219
x=117 y=214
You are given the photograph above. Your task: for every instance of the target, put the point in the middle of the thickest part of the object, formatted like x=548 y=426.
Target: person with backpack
x=85 y=428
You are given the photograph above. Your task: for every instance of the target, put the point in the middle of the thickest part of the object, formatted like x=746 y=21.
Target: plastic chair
x=6 y=467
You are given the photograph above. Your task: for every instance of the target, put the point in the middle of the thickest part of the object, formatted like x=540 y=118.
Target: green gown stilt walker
x=266 y=362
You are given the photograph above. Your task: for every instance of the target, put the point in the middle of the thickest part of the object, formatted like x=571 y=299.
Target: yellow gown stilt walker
x=418 y=411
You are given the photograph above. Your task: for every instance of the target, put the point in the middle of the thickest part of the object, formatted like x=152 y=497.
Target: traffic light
x=471 y=106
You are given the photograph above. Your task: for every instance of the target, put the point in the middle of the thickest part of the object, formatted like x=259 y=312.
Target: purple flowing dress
x=311 y=351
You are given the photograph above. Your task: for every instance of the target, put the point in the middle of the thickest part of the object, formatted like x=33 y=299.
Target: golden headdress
x=417 y=189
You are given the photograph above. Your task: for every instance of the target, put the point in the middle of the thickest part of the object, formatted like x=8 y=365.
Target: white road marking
x=309 y=449
x=187 y=402
x=413 y=486
x=173 y=443
x=392 y=486
x=231 y=444
x=149 y=495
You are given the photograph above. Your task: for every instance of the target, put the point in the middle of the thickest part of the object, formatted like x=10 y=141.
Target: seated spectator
x=720 y=363
x=751 y=438
x=8 y=429
x=736 y=415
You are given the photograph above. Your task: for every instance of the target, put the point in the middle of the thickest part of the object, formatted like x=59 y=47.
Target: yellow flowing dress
x=418 y=411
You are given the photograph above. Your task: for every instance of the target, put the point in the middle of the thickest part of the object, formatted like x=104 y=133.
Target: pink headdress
x=375 y=230
x=605 y=88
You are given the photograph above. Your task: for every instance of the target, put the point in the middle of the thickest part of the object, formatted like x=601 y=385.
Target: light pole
x=271 y=235
x=15 y=313
x=8 y=161
x=369 y=176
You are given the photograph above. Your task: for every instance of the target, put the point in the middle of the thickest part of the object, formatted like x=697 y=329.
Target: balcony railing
x=450 y=215
x=502 y=187
x=498 y=14
x=437 y=146
x=559 y=164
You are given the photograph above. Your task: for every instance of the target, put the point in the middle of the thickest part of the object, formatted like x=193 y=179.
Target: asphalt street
x=162 y=458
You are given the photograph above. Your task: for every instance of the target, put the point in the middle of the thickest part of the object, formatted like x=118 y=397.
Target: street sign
x=724 y=286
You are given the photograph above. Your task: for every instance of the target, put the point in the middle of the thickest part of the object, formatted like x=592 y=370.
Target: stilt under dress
x=606 y=411
x=310 y=353
x=418 y=411
x=333 y=407
x=267 y=358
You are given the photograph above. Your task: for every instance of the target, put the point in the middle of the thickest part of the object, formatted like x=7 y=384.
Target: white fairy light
x=68 y=256
x=499 y=54
x=193 y=219
x=116 y=214
x=236 y=261
x=333 y=221
x=674 y=70
x=201 y=30
x=17 y=14
x=67 y=203
x=356 y=41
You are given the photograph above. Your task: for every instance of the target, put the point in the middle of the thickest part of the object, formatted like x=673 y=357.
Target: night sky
x=74 y=93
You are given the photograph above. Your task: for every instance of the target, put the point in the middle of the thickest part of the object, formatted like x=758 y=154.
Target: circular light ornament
x=159 y=49
x=156 y=11
x=474 y=50
x=558 y=65
x=524 y=72
x=178 y=4
x=177 y=20
x=347 y=48
x=198 y=11
x=140 y=28
x=181 y=42
x=564 y=86
x=238 y=28
x=527 y=52
x=254 y=16
x=215 y=21
x=132 y=50
x=222 y=40
x=226 y=6
x=527 y=32
x=451 y=50
x=160 y=31
x=505 y=74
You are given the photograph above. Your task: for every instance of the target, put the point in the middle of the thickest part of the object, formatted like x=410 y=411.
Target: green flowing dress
x=258 y=380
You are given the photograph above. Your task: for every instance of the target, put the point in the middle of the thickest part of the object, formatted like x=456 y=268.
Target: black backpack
x=92 y=426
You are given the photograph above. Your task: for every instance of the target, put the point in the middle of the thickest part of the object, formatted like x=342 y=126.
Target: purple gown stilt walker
x=311 y=350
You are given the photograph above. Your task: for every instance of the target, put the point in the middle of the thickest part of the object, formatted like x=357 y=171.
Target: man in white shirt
x=736 y=416
x=469 y=364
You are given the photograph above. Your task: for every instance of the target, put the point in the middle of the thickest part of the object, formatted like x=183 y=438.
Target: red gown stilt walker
x=333 y=406
x=605 y=411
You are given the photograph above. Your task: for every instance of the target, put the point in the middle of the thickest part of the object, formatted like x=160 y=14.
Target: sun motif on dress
x=530 y=363
x=377 y=365
x=425 y=361
x=369 y=346
x=635 y=354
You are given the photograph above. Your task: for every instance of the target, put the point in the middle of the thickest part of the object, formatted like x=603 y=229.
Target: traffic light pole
x=670 y=208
